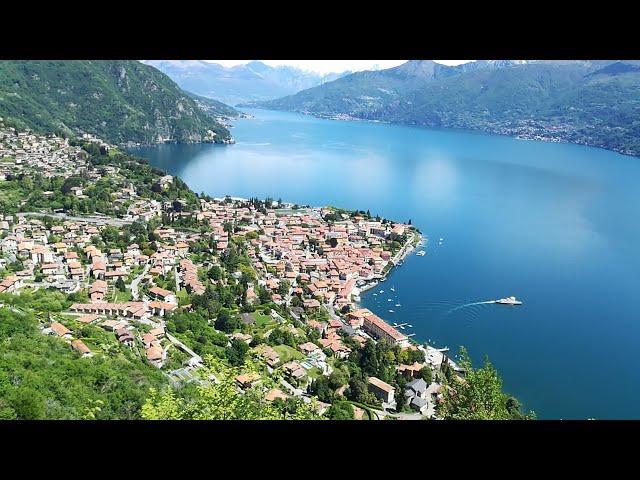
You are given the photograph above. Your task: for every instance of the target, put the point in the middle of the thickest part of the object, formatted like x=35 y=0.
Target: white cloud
x=328 y=66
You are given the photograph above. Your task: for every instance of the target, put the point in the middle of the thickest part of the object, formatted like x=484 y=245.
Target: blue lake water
x=555 y=225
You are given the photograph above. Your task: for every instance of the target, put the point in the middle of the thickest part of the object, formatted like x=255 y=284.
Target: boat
x=508 y=301
x=391 y=311
x=381 y=291
x=393 y=289
x=409 y=325
x=421 y=253
x=389 y=300
x=398 y=305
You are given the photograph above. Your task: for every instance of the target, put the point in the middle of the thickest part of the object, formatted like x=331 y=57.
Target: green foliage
x=321 y=388
x=237 y=352
x=118 y=101
x=280 y=336
x=479 y=395
x=214 y=107
x=194 y=329
x=359 y=392
x=592 y=103
x=41 y=377
x=426 y=374
x=341 y=411
x=222 y=401
x=41 y=300
x=226 y=321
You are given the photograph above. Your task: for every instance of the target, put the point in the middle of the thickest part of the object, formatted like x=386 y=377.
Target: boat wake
x=474 y=306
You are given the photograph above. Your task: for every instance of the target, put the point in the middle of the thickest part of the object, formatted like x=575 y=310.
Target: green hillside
x=593 y=103
x=119 y=101
x=215 y=108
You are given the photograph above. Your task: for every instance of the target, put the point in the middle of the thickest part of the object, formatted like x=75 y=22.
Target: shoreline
x=431 y=352
x=404 y=252
x=478 y=131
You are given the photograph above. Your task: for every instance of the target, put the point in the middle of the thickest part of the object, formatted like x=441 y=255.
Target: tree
x=337 y=379
x=283 y=287
x=27 y=403
x=222 y=401
x=110 y=234
x=341 y=411
x=479 y=396
x=369 y=359
x=215 y=273
x=358 y=391
x=320 y=387
x=69 y=183
x=236 y=352
x=426 y=374
x=120 y=285
x=227 y=322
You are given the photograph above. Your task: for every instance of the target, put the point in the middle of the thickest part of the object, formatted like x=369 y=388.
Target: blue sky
x=328 y=66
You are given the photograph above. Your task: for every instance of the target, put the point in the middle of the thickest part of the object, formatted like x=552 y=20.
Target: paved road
x=116 y=222
x=175 y=272
x=136 y=281
x=400 y=254
x=293 y=390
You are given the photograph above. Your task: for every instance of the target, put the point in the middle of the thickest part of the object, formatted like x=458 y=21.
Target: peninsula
x=108 y=261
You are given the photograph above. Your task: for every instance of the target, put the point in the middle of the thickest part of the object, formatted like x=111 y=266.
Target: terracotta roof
x=60 y=329
x=160 y=292
x=381 y=385
x=80 y=346
x=154 y=353
x=87 y=318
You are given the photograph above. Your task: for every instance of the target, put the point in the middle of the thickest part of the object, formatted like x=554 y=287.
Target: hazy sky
x=327 y=66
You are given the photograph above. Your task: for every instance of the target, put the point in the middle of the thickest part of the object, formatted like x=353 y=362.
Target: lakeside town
x=297 y=273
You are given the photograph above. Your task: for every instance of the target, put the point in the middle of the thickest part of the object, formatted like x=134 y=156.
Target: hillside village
x=286 y=281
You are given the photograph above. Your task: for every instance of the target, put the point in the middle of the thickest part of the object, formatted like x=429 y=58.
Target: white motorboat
x=508 y=301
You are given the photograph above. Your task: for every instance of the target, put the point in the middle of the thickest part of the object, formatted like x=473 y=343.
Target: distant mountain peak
x=418 y=68
x=253 y=81
x=257 y=66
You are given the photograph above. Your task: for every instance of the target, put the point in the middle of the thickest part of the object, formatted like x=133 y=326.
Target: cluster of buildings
x=46 y=155
x=302 y=260
x=332 y=260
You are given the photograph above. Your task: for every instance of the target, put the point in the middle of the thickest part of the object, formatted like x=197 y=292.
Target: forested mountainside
x=239 y=84
x=118 y=101
x=594 y=103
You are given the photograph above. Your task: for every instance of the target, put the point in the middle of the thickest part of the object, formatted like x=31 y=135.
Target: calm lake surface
x=555 y=225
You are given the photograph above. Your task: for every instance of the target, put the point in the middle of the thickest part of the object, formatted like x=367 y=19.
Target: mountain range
x=119 y=101
x=254 y=81
x=595 y=102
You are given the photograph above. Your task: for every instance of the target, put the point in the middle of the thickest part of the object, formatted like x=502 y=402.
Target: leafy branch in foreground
x=222 y=400
x=479 y=395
